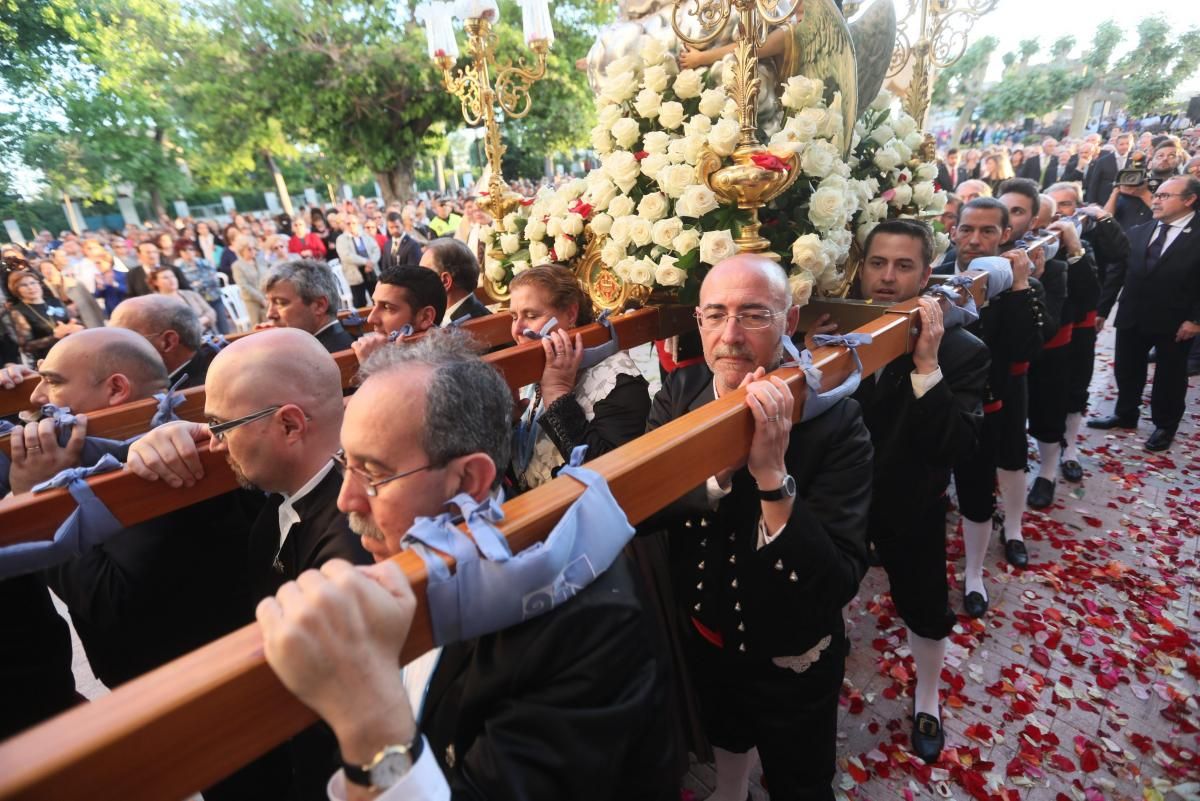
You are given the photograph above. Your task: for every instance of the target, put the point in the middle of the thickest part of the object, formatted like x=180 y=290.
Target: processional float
x=193 y=721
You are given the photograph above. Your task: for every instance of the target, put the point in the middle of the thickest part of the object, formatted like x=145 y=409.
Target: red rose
x=769 y=162
x=582 y=209
x=641 y=154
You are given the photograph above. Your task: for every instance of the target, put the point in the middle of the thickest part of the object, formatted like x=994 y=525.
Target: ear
x=447 y=282
x=425 y=319
x=925 y=276
x=792 y=320
x=321 y=307
x=473 y=474
x=295 y=424
x=170 y=340
x=118 y=388
x=571 y=317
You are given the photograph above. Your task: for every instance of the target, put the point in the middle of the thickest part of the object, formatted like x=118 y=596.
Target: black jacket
x=407 y=251
x=335 y=338
x=1156 y=301
x=138 y=285
x=568 y=705
x=782 y=599
x=918 y=440
x=471 y=307
x=196 y=367
x=1098 y=185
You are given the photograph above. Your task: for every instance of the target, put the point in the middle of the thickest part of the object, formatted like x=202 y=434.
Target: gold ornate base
x=750 y=186
x=604 y=287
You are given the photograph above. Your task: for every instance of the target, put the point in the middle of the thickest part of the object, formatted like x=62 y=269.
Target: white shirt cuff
x=923 y=383
x=424 y=782
x=715 y=491
x=765 y=538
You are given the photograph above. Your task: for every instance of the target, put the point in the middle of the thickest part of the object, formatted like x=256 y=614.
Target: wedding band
x=772 y=419
x=33 y=447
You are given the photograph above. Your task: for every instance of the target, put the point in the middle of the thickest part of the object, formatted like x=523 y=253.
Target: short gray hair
x=468 y=406
x=454 y=257
x=161 y=313
x=312 y=279
x=1067 y=186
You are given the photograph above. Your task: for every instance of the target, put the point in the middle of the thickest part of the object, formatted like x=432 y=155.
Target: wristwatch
x=785 y=490
x=389 y=766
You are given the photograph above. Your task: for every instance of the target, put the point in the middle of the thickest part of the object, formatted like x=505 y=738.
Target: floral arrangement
x=661 y=227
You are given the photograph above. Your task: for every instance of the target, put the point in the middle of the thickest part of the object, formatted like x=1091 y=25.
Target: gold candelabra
x=479 y=97
x=744 y=182
x=941 y=40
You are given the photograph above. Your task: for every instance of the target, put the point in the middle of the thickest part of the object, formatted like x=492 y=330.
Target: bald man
x=768 y=552
x=274 y=405
x=97 y=368
x=174 y=330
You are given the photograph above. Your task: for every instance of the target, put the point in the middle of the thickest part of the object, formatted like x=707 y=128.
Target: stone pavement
x=1081 y=682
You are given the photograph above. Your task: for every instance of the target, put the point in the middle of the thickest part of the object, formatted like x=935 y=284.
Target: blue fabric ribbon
x=107 y=463
x=817 y=402
x=956 y=316
x=215 y=340
x=493 y=588
x=406 y=330
x=593 y=355
x=354 y=319
x=6 y=427
x=167 y=403
x=549 y=326
x=999 y=273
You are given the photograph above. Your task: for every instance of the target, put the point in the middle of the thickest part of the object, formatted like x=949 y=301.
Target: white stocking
x=1012 y=498
x=929 y=655
x=1048 y=452
x=733 y=775
x=1074 y=421
x=975 y=542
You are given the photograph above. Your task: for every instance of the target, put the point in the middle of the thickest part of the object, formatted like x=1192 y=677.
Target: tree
x=1157 y=65
x=961 y=84
x=1108 y=35
x=1061 y=47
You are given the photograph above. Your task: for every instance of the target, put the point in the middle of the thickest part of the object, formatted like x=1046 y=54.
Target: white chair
x=231 y=297
x=335 y=267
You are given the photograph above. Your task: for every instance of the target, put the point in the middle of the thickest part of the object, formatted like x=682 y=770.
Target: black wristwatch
x=785 y=490
x=389 y=766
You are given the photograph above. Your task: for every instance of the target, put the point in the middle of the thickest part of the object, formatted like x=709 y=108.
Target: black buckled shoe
x=1161 y=439
x=975 y=604
x=1112 y=421
x=1015 y=553
x=1041 y=494
x=928 y=739
x=1072 y=471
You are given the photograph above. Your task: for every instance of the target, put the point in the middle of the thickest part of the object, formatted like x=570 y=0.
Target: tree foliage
x=1158 y=64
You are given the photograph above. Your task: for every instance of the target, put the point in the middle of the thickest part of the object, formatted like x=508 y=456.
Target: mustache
x=732 y=352
x=364 y=527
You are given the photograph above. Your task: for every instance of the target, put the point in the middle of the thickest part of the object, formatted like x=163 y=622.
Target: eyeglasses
x=371 y=485
x=1165 y=195
x=219 y=430
x=750 y=321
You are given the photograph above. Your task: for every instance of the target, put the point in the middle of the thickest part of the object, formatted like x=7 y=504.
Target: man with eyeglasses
x=1159 y=288
x=566 y=705
x=768 y=551
x=174 y=330
x=274 y=405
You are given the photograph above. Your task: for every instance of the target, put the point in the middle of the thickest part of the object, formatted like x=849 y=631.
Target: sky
x=1013 y=20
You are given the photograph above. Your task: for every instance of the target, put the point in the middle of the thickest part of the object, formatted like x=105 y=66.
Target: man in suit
x=399 y=248
x=303 y=294
x=405 y=295
x=359 y=256
x=568 y=704
x=1160 y=309
x=766 y=553
x=174 y=330
x=924 y=411
x=149 y=260
x=458 y=270
x=1011 y=327
x=288 y=454
x=949 y=172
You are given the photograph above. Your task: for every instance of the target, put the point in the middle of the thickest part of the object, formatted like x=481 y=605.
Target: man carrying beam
x=768 y=552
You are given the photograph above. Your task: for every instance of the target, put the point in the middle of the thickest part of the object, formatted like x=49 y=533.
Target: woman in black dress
x=40 y=319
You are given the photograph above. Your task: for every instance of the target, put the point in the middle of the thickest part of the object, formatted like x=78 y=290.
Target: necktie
x=1154 y=252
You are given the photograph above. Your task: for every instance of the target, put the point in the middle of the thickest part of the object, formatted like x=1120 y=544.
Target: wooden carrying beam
x=189 y=723
x=32 y=518
x=131 y=419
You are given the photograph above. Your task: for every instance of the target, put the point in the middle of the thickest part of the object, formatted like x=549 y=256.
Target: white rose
x=677 y=150
x=861 y=233
x=653 y=206
x=572 y=224
x=877 y=209
x=835 y=181
x=667 y=274
x=655 y=78
x=828 y=279
x=937 y=204
x=883 y=134
x=510 y=222
x=608 y=115
x=618 y=88
x=624 y=268
x=647 y=104
x=553 y=227
x=807 y=254
x=904 y=125
x=801 y=284
x=882 y=100
x=693 y=149
x=922 y=194
x=914 y=141
x=510 y=243
x=600 y=224
x=886 y=159
x=621 y=206
x=664 y=232
x=622 y=168
x=535 y=230
x=903 y=150
x=819 y=159
x=696 y=201
x=941 y=243
x=670 y=116
x=652 y=50
x=801 y=92
x=573 y=189
x=688 y=83
x=723 y=137
x=826 y=209
x=619 y=232
x=494 y=270
x=642 y=272
x=903 y=195
x=698 y=125
x=673 y=180
x=716 y=246
x=712 y=101
x=653 y=164
x=602 y=142
x=601 y=192
x=656 y=142
x=864 y=190
x=686 y=242
x=564 y=247
x=639 y=232
x=625 y=132
x=557 y=204
x=730 y=112
x=926 y=171
x=805 y=128
x=815 y=118
x=538 y=253
x=783 y=146
x=623 y=65
x=612 y=252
